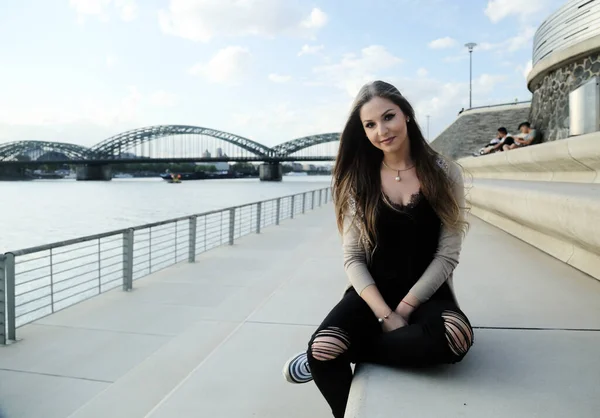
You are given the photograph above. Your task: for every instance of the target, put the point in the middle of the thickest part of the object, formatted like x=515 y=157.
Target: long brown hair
x=356 y=174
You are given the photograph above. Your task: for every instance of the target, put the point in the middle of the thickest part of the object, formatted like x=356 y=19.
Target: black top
x=407 y=241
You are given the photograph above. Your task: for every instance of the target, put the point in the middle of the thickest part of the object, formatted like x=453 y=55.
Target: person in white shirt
x=496 y=143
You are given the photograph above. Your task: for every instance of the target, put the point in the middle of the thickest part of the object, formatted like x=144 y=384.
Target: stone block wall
x=475 y=128
x=550 y=103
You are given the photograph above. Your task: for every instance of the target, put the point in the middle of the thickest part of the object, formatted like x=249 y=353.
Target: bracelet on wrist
x=385 y=317
x=412 y=306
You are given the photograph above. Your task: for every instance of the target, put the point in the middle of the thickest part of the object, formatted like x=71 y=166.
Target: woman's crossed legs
x=438 y=333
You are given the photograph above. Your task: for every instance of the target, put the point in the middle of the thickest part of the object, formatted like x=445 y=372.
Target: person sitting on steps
x=496 y=143
x=400 y=209
x=526 y=137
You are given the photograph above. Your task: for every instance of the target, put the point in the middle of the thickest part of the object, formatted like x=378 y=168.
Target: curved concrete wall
x=565 y=54
x=474 y=128
x=574 y=22
x=547 y=195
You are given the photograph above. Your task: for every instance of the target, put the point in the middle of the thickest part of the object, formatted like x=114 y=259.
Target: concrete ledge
x=561 y=219
x=507 y=373
x=575 y=159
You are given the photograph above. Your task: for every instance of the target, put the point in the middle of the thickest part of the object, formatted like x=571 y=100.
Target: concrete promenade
x=209 y=339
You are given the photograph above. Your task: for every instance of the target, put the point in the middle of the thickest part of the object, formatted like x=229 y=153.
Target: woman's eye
x=389 y=116
x=369 y=125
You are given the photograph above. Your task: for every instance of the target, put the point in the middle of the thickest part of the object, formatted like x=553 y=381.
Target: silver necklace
x=398 y=178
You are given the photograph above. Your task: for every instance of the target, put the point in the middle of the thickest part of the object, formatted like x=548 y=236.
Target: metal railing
x=39 y=281
x=574 y=22
x=499 y=105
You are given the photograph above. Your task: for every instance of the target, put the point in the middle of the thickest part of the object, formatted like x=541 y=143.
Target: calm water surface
x=44 y=211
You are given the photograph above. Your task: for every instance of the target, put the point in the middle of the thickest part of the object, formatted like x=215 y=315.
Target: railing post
x=320 y=197
x=51 y=281
x=303 y=203
x=9 y=282
x=292 y=208
x=128 y=260
x=231 y=225
x=192 y=242
x=277 y=211
x=3 y=319
x=258 y=216
x=326 y=195
x=175 y=257
x=312 y=201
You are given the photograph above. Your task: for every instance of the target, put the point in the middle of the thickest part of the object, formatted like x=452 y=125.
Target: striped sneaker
x=297 y=370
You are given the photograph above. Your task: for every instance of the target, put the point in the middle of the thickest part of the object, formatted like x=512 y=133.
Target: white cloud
x=272 y=124
x=522 y=40
x=90 y=8
x=443 y=43
x=441 y=100
x=422 y=72
x=127 y=9
x=276 y=78
x=525 y=69
x=316 y=20
x=498 y=10
x=355 y=70
x=162 y=98
x=203 y=20
x=107 y=114
x=308 y=50
x=90 y=110
x=229 y=66
x=111 y=60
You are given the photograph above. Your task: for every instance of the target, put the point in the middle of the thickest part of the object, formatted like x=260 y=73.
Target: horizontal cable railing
x=39 y=281
x=499 y=105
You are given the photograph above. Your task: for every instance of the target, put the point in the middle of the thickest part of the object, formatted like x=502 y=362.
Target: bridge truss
x=41 y=151
x=172 y=143
x=178 y=141
x=313 y=145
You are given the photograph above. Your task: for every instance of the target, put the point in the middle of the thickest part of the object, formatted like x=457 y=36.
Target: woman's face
x=385 y=124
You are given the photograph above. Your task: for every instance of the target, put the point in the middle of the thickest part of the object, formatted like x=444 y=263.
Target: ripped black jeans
x=438 y=333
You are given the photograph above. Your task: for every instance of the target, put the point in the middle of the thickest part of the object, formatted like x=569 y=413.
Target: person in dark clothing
x=400 y=209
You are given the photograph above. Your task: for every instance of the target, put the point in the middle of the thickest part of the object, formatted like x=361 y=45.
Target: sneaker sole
x=288 y=375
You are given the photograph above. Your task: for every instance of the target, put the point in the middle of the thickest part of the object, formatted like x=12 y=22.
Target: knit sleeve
x=355 y=263
x=449 y=247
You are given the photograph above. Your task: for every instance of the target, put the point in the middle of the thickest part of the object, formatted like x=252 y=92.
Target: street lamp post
x=470 y=45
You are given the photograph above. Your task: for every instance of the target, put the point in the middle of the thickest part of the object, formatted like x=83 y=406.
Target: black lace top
x=407 y=240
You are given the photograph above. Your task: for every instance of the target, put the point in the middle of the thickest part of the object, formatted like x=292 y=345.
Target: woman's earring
x=407 y=120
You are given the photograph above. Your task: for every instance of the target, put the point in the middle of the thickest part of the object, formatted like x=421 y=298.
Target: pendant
x=398 y=177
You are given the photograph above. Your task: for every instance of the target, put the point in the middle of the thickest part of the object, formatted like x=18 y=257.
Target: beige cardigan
x=357 y=253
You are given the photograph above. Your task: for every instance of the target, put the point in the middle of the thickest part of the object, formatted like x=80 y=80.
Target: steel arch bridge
x=115 y=149
x=11 y=151
x=290 y=147
x=115 y=145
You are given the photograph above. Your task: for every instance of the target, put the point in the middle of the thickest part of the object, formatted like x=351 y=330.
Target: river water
x=44 y=211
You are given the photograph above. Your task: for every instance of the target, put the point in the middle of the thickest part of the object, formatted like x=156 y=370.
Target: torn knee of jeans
x=459 y=333
x=329 y=344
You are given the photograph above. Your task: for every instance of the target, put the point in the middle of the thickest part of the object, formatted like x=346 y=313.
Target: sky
x=81 y=71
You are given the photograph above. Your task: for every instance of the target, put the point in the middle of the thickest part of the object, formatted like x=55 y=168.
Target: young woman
x=400 y=208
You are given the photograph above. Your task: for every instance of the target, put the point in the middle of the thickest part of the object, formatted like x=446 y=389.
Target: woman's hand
x=393 y=322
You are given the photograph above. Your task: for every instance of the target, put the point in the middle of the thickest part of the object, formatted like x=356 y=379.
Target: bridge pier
x=271 y=171
x=96 y=172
